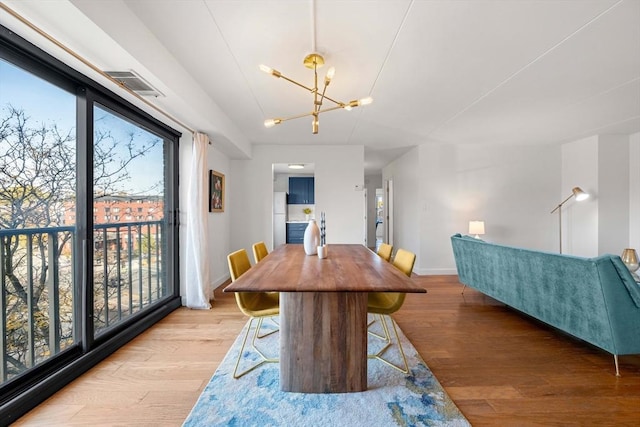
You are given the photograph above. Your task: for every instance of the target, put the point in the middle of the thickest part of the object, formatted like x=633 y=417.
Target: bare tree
x=37 y=182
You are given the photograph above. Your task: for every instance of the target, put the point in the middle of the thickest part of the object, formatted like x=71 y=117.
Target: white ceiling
x=455 y=72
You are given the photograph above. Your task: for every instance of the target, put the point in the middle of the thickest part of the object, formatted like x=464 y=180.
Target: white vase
x=311 y=238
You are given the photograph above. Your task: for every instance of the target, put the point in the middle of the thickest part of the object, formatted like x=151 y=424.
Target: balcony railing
x=39 y=287
x=127 y=270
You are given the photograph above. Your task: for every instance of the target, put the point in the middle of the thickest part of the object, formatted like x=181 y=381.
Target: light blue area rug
x=392 y=398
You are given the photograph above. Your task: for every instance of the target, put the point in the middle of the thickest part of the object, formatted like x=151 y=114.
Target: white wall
x=613 y=188
x=602 y=166
x=634 y=191
x=439 y=188
x=406 y=186
x=219 y=222
x=338 y=169
x=512 y=189
x=580 y=219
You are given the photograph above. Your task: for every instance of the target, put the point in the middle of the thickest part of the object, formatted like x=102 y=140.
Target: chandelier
x=314 y=61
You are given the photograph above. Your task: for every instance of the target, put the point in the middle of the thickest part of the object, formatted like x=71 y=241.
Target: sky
x=46 y=103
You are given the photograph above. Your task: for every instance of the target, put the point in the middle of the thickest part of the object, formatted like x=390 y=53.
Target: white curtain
x=198 y=286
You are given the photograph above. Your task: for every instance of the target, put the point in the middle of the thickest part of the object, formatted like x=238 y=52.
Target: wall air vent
x=135 y=83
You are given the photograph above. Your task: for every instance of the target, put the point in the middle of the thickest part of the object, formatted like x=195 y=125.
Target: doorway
x=293 y=201
x=380 y=223
x=388 y=208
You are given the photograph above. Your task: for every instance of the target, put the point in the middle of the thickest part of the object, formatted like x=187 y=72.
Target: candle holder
x=630 y=259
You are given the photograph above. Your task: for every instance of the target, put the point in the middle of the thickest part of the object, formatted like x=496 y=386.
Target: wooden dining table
x=323 y=312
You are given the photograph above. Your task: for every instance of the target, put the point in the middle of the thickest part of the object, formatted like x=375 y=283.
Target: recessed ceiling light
x=296 y=166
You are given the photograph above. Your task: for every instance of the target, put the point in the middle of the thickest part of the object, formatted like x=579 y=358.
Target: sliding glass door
x=129 y=219
x=88 y=229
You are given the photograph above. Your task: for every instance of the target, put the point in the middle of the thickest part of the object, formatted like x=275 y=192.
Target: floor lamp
x=580 y=196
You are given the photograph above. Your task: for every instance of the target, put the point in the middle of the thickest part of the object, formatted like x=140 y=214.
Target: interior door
x=389 y=212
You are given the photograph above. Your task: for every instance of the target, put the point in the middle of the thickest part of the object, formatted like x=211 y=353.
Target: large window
x=88 y=238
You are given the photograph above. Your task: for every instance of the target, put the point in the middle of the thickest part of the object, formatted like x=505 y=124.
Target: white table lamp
x=477 y=228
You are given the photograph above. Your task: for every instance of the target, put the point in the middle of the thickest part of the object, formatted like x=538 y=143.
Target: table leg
x=323 y=342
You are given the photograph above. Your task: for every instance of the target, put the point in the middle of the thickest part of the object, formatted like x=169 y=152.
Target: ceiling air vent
x=135 y=83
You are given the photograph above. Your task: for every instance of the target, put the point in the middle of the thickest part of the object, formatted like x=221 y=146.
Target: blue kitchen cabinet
x=301 y=190
x=295 y=232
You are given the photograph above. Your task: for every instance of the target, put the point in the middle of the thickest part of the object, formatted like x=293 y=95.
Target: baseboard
x=435 y=271
x=214 y=285
x=220 y=280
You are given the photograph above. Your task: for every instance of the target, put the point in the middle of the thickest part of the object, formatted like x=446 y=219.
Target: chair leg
x=615 y=361
x=253 y=343
x=379 y=354
x=386 y=337
x=264 y=360
x=273 y=319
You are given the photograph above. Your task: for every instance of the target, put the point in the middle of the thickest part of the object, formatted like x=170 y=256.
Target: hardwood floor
x=500 y=367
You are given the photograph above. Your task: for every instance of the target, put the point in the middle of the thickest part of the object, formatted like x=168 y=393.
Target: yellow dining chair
x=256 y=305
x=259 y=251
x=384 y=251
x=384 y=304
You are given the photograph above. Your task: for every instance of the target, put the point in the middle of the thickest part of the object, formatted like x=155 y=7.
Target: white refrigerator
x=279 y=218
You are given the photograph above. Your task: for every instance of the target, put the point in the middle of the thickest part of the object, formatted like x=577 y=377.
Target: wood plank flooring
x=500 y=367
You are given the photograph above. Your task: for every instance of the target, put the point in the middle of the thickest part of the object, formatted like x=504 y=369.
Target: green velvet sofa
x=594 y=299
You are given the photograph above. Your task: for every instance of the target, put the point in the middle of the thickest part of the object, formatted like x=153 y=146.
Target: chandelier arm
x=322 y=95
x=332 y=100
x=296 y=83
x=312 y=113
x=331 y=109
x=310 y=89
x=298 y=116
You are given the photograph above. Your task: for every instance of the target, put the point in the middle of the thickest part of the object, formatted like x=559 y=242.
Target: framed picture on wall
x=216 y=191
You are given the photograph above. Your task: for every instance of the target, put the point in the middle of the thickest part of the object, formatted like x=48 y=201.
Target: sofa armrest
x=633 y=288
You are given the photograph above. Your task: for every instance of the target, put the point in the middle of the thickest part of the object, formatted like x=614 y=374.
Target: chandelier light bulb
x=272 y=122
x=269 y=70
x=365 y=101
x=330 y=73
